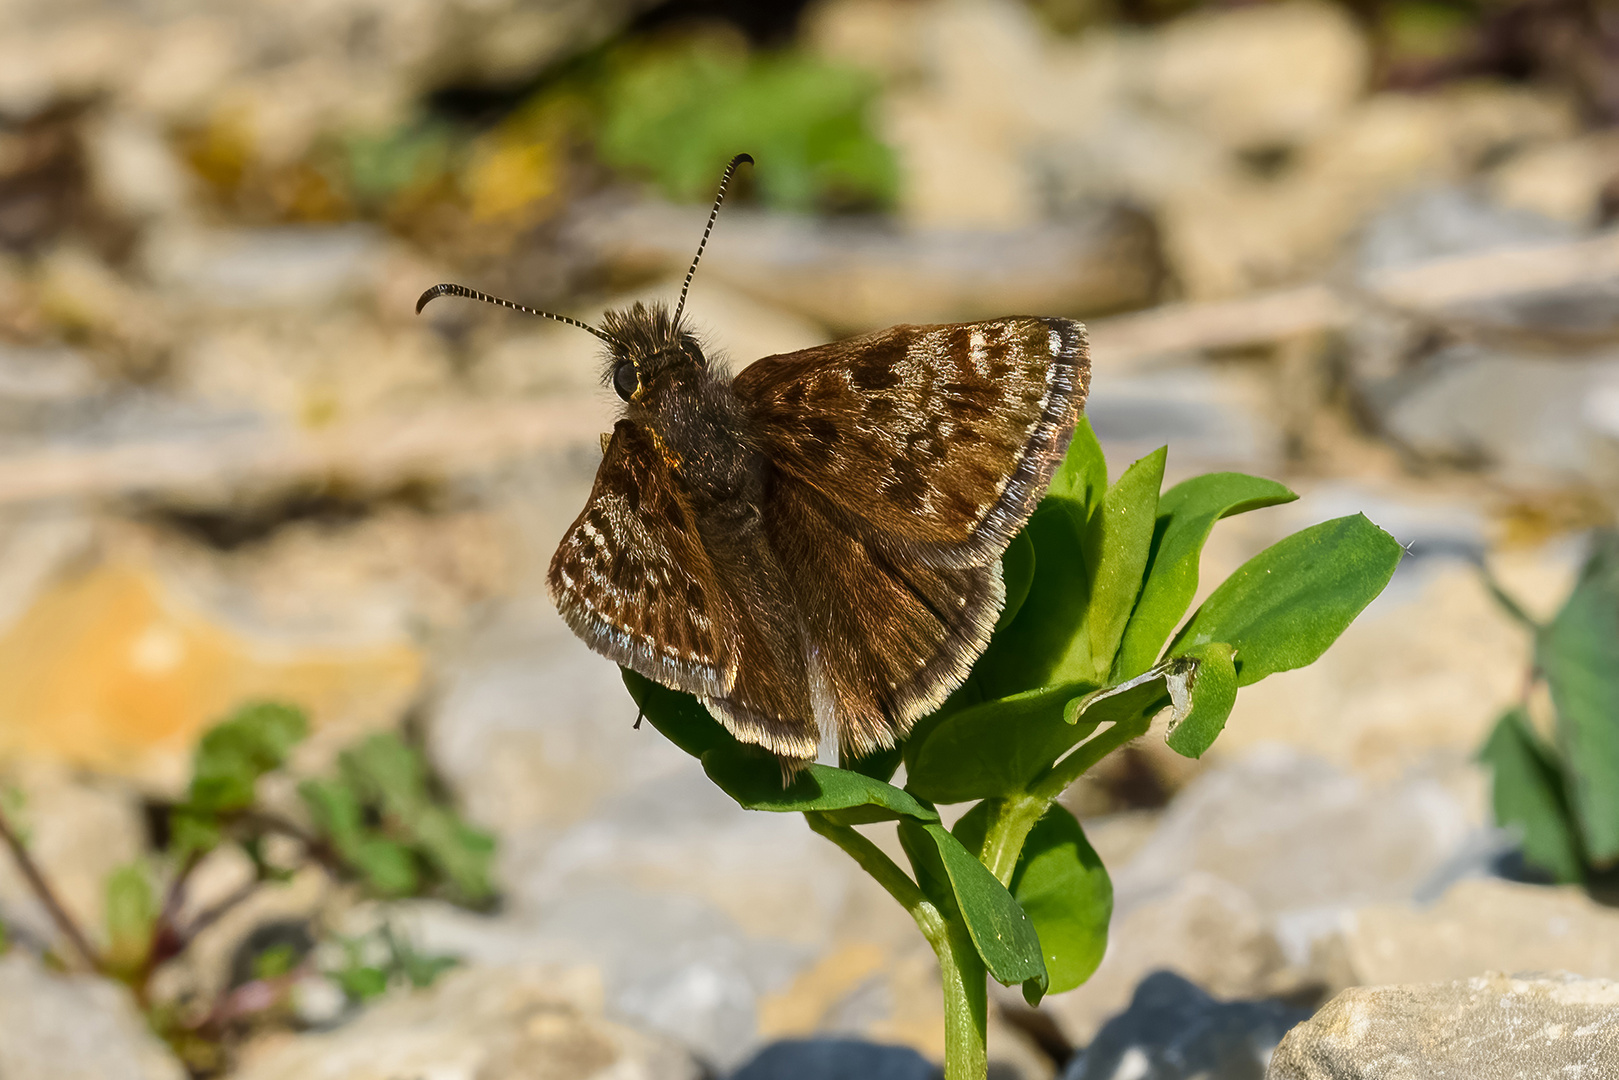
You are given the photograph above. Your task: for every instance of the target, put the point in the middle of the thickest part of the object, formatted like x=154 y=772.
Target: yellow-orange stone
x=109 y=670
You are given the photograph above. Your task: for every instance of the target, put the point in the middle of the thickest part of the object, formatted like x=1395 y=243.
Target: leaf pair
x=1565 y=799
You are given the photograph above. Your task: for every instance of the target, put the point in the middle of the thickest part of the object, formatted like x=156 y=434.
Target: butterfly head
x=646 y=346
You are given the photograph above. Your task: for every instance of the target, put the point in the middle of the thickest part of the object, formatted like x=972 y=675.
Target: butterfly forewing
x=631 y=576
x=941 y=438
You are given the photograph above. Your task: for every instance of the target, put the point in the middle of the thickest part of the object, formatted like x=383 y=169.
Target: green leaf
x=995 y=748
x=1529 y=794
x=1031 y=647
x=387 y=867
x=753 y=778
x=386 y=768
x=1579 y=653
x=1282 y=608
x=1061 y=885
x=131 y=912
x=1001 y=933
x=1186 y=515
x=679 y=109
x=680 y=718
x=361 y=982
x=336 y=812
x=1081 y=479
x=1116 y=546
x=462 y=855
x=232 y=756
x=1049 y=630
x=1017 y=570
x=1208 y=691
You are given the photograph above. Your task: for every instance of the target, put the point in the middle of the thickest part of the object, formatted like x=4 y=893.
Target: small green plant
x=678 y=109
x=1085 y=655
x=376 y=822
x=1563 y=797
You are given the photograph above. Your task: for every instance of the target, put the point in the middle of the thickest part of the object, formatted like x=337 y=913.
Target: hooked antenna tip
x=431 y=294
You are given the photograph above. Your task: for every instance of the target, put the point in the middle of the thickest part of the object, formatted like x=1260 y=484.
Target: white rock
x=1492 y=1027
x=73 y=1027
x=1563 y=180
x=479 y=1022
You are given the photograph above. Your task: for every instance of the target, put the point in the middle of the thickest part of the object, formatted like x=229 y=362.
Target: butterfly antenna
x=447 y=289
x=712 y=215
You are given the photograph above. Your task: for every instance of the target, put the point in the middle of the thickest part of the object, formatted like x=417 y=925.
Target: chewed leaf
x=754 y=779
x=1202 y=687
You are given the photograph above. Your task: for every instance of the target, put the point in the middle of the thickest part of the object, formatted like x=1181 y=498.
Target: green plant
x=677 y=110
x=1563 y=797
x=377 y=822
x=1096 y=585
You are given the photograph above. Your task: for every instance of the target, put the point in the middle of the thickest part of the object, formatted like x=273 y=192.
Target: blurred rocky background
x=1363 y=248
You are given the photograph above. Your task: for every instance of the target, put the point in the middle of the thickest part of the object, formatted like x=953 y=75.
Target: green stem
x=1008 y=828
x=966 y=998
x=1094 y=749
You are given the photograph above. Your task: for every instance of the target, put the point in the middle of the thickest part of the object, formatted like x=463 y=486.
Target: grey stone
x=480 y=1022
x=1174 y=1031
x=836 y=1059
x=866 y=275
x=1340 y=842
x=1493 y=1027
x=286 y=266
x=73 y=1027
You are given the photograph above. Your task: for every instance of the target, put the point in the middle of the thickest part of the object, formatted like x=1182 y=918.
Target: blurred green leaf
x=1186 y=515
x=1061 y=885
x=753 y=778
x=678 y=110
x=1529 y=793
x=462 y=855
x=1209 y=691
x=1001 y=933
x=1282 y=608
x=995 y=748
x=335 y=809
x=361 y=982
x=387 y=867
x=131 y=912
x=1579 y=654
x=387 y=769
x=234 y=753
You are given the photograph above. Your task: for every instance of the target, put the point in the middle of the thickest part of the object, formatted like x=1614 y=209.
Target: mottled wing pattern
x=888 y=639
x=942 y=438
x=632 y=579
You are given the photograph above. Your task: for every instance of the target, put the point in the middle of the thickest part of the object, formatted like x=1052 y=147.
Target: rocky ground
x=234 y=463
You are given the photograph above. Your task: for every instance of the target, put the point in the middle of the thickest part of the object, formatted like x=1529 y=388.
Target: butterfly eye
x=625 y=380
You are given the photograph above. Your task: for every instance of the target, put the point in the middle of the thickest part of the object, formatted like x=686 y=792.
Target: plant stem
x=47 y=896
x=1008 y=828
x=966 y=1001
x=1094 y=749
x=966 y=998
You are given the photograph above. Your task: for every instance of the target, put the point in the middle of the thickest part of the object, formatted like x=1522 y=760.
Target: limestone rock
x=1483 y=924
x=1174 y=1031
x=73 y=1027
x=1492 y=1027
x=478 y=1022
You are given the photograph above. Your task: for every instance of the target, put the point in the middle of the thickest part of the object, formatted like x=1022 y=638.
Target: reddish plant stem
x=47 y=896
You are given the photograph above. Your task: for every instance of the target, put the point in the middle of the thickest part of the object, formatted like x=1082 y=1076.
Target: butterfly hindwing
x=942 y=439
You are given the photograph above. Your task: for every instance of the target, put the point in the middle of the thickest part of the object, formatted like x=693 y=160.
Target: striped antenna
x=712 y=215
x=448 y=289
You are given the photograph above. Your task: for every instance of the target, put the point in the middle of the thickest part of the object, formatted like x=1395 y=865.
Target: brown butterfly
x=813 y=546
